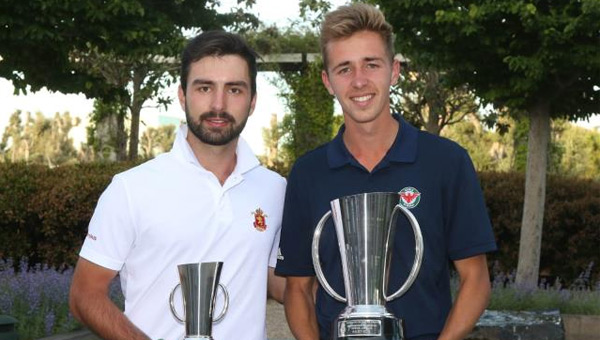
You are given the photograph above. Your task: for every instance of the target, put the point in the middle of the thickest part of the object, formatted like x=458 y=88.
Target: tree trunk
x=137 y=101
x=121 y=137
x=535 y=195
x=435 y=103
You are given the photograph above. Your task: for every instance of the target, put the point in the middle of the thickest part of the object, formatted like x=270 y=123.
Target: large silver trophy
x=199 y=282
x=365 y=226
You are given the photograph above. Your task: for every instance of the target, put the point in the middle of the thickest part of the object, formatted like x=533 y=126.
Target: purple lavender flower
x=49 y=322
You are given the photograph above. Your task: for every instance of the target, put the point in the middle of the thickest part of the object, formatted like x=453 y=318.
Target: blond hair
x=349 y=19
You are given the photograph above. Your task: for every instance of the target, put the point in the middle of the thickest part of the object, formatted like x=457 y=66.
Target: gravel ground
x=277 y=327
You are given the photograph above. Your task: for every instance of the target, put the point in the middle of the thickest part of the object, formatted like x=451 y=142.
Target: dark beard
x=215 y=137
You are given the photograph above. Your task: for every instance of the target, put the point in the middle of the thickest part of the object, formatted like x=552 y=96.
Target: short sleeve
x=295 y=257
x=111 y=233
x=468 y=227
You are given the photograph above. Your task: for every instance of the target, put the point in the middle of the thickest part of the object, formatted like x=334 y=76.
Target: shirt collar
x=404 y=149
x=246 y=160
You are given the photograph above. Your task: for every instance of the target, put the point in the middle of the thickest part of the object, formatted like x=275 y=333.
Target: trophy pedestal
x=367 y=323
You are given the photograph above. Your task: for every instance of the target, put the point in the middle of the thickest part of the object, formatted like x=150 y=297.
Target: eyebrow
x=201 y=81
x=367 y=59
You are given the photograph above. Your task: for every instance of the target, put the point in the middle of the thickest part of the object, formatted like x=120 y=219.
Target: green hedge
x=44 y=215
x=571 y=234
x=44 y=212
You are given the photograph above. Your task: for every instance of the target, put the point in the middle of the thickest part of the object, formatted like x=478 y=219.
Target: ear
x=395 y=71
x=325 y=79
x=181 y=96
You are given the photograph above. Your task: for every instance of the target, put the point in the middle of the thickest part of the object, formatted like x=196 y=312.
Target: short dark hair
x=217 y=44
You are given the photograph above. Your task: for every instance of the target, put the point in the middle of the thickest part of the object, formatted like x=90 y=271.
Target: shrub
x=44 y=213
x=571 y=224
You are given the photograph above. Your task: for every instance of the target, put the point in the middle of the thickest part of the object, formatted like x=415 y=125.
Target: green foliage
x=573 y=152
x=423 y=98
x=106 y=134
x=39 y=38
x=585 y=302
x=44 y=213
x=39 y=139
x=37 y=296
x=157 y=140
x=489 y=151
x=514 y=54
x=579 y=151
x=310 y=119
x=309 y=123
x=274 y=40
x=116 y=51
x=571 y=221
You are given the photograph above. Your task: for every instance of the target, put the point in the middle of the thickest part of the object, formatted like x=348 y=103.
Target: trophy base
x=199 y=337
x=384 y=327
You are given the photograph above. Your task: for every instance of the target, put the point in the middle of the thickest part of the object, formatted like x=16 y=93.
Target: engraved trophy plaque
x=365 y=227
x=199 y=282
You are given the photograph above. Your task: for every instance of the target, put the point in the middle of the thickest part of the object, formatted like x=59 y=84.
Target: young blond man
x=377 y=151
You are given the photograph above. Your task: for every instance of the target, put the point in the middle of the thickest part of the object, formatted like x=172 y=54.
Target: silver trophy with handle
x=199 y=283
x=365 y=226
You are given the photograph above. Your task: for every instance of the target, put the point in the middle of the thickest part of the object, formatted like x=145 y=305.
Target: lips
x=362 y=100
x=217 y=119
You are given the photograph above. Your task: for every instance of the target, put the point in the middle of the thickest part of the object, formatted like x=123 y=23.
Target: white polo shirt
x=169 y=211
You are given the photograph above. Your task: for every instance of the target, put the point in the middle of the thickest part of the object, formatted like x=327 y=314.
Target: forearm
x=104 y=318
x=300 y=314
x=275 y=286
x=471 y=300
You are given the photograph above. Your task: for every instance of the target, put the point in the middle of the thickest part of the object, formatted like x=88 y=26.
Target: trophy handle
x=225 y=304
x=173 y=311
x=418 y=253
x=317 y=262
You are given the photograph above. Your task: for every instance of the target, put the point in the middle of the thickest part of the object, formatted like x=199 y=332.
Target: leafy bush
x=571 y=224
x=44 y=213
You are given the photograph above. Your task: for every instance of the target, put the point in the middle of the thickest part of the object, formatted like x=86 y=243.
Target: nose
x=218 y=101
x=359 y=80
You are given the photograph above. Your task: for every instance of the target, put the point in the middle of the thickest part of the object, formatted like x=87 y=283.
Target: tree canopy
x=115 y=50
x=512 y=53
x=38 y=38
x=538 y=57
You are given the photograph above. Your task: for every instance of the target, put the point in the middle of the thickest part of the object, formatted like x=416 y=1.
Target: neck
x=218 y=159
x=369 y=142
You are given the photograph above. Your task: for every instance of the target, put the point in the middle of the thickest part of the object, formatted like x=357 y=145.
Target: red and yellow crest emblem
x=260 y=220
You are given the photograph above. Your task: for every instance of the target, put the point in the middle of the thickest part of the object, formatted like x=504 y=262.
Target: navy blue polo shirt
x=449 y=208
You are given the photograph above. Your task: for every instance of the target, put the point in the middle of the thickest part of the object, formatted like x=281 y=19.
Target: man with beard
x=206 y=200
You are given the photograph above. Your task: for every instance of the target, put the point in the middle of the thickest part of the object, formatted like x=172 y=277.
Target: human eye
x=235 y=90
x=372 y=65
x=343 y=70
x=203 y=88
